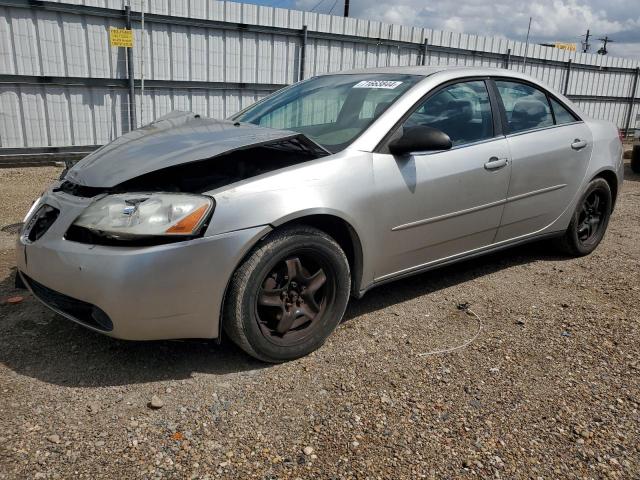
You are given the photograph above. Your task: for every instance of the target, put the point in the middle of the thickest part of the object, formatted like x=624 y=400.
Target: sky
x=553 y=20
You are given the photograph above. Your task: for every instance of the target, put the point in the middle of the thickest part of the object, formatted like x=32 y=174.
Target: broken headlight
x=145 y=214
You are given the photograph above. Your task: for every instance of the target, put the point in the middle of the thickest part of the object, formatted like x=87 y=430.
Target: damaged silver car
x=263 y=226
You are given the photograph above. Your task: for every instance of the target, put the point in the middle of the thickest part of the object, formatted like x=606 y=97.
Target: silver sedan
x=264 y=225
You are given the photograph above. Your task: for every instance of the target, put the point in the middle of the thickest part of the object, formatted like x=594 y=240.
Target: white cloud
x=553 y=20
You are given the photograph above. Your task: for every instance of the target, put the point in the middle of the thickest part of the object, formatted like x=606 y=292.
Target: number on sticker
x=388 y=84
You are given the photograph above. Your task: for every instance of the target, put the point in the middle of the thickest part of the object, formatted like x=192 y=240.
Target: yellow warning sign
x=121 y=37
x=572 y=47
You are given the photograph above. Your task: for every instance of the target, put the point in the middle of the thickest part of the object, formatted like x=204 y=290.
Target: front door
x=432 y=206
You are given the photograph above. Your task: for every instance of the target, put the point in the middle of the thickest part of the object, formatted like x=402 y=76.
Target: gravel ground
x=549 y=389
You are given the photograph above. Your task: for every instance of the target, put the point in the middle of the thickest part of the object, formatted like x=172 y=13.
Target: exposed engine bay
x=205 y=175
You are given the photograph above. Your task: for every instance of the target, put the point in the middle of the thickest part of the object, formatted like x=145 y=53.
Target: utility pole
x=605 y=40
x=346 y=8
x=142 y=55
x=130 y=75
x=586 y=45
x=526 y=47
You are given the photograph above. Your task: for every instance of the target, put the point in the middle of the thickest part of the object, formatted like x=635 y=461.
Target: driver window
x=461 y=110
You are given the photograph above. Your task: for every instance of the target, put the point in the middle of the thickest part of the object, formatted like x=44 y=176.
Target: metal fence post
x=303 y=51
x=507 y=59
x=132 y=92
x=425 y=48
x=566 y=78
x=632 y=101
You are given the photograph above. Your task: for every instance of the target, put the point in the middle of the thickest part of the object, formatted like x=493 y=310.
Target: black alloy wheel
x=592 y=216
x=293 y=297
x=589 y=221
x=288 y=294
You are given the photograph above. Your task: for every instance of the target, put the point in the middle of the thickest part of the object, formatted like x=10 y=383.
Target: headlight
x=144 y=214
x=32 y=208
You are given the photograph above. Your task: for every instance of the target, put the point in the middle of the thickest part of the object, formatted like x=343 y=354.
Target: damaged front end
x=181 y=154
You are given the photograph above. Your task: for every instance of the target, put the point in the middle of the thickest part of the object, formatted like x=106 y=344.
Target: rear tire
x=288 y=295
x=635 y=159
x=590 y=220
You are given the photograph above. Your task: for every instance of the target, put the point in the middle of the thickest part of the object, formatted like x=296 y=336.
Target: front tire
x=590 y=220
x=288 y=295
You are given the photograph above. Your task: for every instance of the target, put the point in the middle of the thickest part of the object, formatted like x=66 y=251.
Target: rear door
x=550 y=149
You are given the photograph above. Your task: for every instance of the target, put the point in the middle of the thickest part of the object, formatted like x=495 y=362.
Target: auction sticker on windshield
x=388 y=84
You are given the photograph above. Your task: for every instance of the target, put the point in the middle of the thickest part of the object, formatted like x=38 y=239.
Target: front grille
x=83 y=312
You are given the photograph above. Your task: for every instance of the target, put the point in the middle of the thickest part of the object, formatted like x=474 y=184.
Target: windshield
x=332 y=110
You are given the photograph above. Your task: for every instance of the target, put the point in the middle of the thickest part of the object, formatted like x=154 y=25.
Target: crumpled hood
x=177 y=138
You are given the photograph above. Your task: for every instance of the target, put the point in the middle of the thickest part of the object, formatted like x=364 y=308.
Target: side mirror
x=420 y=139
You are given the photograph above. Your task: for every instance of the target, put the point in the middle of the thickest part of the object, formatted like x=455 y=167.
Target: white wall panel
x=7 y=65
x=180 y=53
x=82 y=121
x=216 y=56
x=34 y=115
x=160 y=52
x=25 y=41
x=75 y=45
x=38 y=42
x=98 y=48
x=49 y=35
x=198 y=53
x=57 y=113
x=11 y=134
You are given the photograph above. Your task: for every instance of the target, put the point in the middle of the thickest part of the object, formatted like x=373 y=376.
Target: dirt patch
x=550 y=388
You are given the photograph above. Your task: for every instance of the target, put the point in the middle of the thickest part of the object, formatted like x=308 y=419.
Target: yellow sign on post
x=121 y=37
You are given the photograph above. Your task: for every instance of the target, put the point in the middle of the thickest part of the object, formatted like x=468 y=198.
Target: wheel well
x=345 y=235
x=611 y=178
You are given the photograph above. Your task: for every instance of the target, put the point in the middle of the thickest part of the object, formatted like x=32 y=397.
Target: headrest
x=381 y=107
x=529 y=108
x=461 y=109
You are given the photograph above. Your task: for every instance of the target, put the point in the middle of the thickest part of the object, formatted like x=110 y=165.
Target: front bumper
x=147 y=293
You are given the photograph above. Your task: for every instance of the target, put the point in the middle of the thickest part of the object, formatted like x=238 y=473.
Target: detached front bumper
x=135 y=293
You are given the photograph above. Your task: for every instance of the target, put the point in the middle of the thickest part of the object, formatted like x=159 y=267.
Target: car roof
x=421 y=70
x=428 y=70
x=450 y=72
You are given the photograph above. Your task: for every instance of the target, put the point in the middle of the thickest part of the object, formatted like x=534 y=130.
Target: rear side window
x=526 y=106
x=562 y=114
x=461 y=110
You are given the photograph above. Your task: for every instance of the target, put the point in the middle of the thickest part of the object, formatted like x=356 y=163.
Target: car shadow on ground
x=630 y=175
x=41 y=344
x=411 y=287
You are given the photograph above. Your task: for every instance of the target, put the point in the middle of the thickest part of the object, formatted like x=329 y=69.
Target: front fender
x=340 y=185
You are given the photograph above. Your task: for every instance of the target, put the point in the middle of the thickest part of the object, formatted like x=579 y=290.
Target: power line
x=332 y=7
x=316 y=5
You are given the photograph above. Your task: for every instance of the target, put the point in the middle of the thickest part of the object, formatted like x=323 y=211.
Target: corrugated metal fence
x=62 y=85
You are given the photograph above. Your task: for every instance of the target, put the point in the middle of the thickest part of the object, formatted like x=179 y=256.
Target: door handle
x=496 y=163
x=578 y=144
